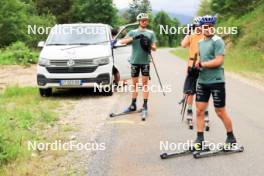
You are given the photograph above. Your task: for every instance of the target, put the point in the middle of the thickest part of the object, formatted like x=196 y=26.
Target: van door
x=121 y=60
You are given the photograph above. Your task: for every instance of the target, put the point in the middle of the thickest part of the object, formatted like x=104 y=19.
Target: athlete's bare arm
x=154 y=47
x=185 y=43
x=126 y=40
x=216 y=62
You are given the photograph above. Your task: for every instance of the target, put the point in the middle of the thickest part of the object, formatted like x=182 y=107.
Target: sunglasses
x=207 y=26
x=144 y=21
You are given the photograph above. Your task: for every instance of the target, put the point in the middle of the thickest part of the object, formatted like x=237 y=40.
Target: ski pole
x=157 y=73
x=184 y=106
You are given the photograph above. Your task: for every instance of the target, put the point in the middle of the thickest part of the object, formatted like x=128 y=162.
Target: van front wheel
x=45 y=92
x=109 y=91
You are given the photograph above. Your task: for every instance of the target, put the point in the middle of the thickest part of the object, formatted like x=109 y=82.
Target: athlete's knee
x=200 y=112
x=220 y=112
x=145 y=81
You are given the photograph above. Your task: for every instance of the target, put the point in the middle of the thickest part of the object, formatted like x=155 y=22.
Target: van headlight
x=101 y=61
x=44 y=62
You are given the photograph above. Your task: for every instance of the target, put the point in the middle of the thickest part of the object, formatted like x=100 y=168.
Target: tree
x=204 y=8
x=15 y=16
x=163 y=19
x=59 y=8
x=94 y=11
x=236 y=8
x=136 y=7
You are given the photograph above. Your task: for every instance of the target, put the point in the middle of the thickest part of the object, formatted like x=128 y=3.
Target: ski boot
x=230 y=144
x=131 y=108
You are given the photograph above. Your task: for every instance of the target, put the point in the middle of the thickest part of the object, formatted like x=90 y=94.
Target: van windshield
x=78 y=35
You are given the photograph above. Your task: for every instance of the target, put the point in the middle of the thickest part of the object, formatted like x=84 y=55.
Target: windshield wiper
x=84 y=44
x=56 y=44
x=79 y=44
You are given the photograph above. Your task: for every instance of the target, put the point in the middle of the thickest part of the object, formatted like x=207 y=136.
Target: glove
x=193 y=72
x=113 y=42
x=145 y=44
x=140 y=36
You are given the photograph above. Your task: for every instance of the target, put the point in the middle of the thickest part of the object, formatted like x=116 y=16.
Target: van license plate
x=70 y=82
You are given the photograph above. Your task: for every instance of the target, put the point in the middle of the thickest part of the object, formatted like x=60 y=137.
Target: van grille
x=77 y=63
x=71 y=69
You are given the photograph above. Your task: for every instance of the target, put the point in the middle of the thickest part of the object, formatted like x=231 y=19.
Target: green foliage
x=15 y=16
x=22 y=110
x=244 y=50
x=18 y=53
x=246 y=55
x=12 y=19
x=227 y=8
x=162 y=18
x=137 y=7
x=204 y=8
x=94 y=11
x=59 y=8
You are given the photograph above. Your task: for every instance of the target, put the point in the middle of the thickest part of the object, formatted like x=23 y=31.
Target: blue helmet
x=196 y=21
x=207 y=19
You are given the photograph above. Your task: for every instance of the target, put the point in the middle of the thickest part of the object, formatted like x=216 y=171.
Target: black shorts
x=203 y=92
x=137 y=68
x=190 y=85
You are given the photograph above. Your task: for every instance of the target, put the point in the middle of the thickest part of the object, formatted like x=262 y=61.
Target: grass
x=244 y=53
x=23 y=113
x=246 y=62
x=180 y=52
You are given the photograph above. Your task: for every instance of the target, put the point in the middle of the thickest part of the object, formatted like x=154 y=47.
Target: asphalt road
x=133 y=146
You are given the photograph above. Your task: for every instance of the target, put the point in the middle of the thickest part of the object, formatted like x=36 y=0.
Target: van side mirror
x=41 y=44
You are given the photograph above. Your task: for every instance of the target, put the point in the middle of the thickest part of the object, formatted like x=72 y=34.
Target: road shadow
x=77 y=93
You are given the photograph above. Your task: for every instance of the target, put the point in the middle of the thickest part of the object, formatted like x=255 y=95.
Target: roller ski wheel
x=164 y=156
x=190 y=123
x=207 y=127
x=144 y=114
x=206 y=116
x=190 y=118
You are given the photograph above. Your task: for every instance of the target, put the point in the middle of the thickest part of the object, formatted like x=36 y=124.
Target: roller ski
x=132 y=109
x=196 y=148
x=176 y=154
x=230 y=147
x=206 y=121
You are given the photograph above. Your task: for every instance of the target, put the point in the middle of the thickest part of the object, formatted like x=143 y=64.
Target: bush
x=18 y=53
x=15 y=16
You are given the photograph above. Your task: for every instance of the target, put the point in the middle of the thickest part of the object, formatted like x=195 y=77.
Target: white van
x=80 y=55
